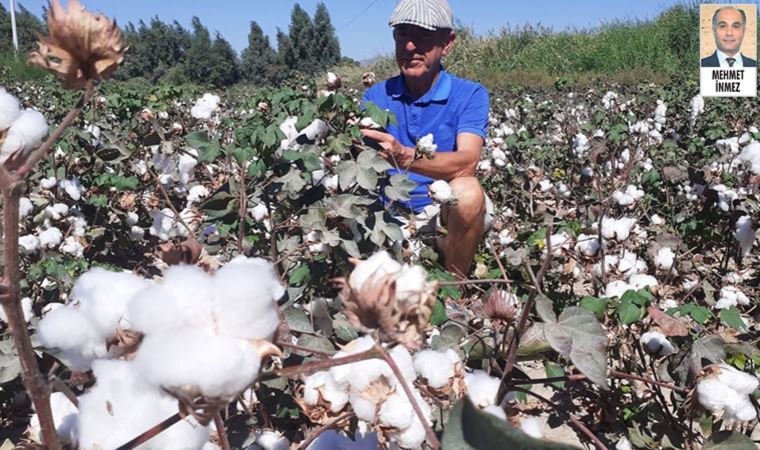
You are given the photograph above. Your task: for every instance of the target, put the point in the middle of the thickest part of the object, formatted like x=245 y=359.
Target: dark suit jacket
x=712 y=61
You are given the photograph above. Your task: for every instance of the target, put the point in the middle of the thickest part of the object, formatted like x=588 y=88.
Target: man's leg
x=464 y=223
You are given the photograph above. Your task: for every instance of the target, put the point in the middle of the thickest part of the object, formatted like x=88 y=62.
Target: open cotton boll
x=441 y=191
x=751 y=156
x=533 y=427
x=80 y=347
x=26 y=309
x=205 y=106
x=631 y=195
x=616 y=288
x=323 y=385
x=122 y=405
x=728 y=389
x=10 y=109
x=731 y=296
x=623 y=444
x=196 y=193
x=482 y=388
x=588 y=244
x=365 y=408
x=559 y=241
x=745 y=234
x=316 y=130
x=26 y=133
x=378 y=265
x=56 y=211
x=631 y=264
x=741 y=382
x=73 y=188
x=186 y=165
x=72 y=246
x=641 y=280
x=28 y=244
x=656 y=343
x=403 y=359
x=314 y=239
x=270 y=440
x=25 y=207
x=411 y=437
x=360 y=374
x=197 y=364
x=426 y=146
x=259 y=212
x=411 y=284
x=436 y=367
x=51 y=238
x=396 y=412
x=103 y=297
x=164 y=226
x=64 y=419
x=245 y=292
x=664 y=259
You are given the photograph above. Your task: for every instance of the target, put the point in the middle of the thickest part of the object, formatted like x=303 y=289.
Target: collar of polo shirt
x=438 y=93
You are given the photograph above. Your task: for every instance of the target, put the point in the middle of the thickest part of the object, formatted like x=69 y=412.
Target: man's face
x=419 y=51
x=729 y=31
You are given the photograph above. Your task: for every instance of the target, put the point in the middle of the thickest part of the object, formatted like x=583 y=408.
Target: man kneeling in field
x=426 y=99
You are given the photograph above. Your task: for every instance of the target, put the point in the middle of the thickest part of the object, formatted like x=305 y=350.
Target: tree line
x=163 y=52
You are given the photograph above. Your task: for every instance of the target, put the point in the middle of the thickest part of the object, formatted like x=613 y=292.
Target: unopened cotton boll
x=656 y=343
x=436 y=367
x=664 y=259
x=26 y=133
x=441 y=191
x=122 y=405
x=482 y=388
x=9 y=109
x=533 y=427
x=378 y=265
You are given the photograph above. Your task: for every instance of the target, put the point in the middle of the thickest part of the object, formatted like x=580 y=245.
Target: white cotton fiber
x=664 y=259
x=656 y=343
x=50 y=238
x=25 y=207
x=64 y=419
x=411 y=284
x=441 y=191
x=186 y=166
x=214 y=366
x=496 y=411
x=26 y=134
x=533 y=427
x=322 y=384
x=378 y=265
x=359 y=374
x=403 y=359
x=9 y=109
x=411 y=437
x=270 y=440
x=80 y=347
x=205 y=106
x=436 y=367
x=122 y=405
x=364 y=407
x=73 y=188
x=396 y=411
x=745 y=234
x=741 y=382
x=28 y=244
x=103 y=297
x=482 y=388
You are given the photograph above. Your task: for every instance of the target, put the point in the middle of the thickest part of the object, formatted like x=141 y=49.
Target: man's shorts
x=424 y=225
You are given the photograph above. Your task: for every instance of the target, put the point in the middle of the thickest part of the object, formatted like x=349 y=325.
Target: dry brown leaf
x=671 y=326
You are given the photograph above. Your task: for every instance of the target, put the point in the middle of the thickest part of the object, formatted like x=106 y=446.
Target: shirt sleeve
x=474 y=117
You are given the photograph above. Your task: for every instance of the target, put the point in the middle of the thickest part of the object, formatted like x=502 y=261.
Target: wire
x=357 y=16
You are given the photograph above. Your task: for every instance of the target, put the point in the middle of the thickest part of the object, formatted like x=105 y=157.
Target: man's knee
x=470 y=200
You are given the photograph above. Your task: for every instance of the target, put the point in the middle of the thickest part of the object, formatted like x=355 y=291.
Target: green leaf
x=579 y=335
x=347 y=172
x=733 y=318
x=729 y=440
x=98 y=201
x=700 y=314
x=439 y=314
x=120 y=183
x=597 y=306
x=628 y=312
x=207 y=150
x=469 y=428
x=545 y=309
x=299 y=275
x=292 y=182
x=553 y=370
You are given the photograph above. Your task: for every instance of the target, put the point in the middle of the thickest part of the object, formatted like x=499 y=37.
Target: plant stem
x=35 y=384
x=612 y=373
x=316 y=366
x=220 y=430
x=468 y=282
x=432 y=438
x=242 y=210
x=584 y=429
x=151 y=433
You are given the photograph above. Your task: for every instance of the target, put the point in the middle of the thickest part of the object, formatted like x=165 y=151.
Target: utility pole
x=13 y=25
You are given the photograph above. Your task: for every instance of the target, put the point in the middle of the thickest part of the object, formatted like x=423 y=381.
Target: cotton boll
x=664 y=259
x=656 y=343
x=743 y=410
x=26 y=308
x=136 y=233
x=482 y=388
x=368 y=122
x=164 y=226
x=533 y=427
x=122 y=405
x=436 y=367
x=403 y=359
x=316 y=130
x=25 y=207
x=10 y=109
x=588 y=244
x=411 y=284
x=314 y=238
x=322 y=384
x=213 y=366
x=73 y=188
x=26 y=133
x=396 y=412
x=731 y=296
x=741 y=382
x=364 y=408
x=610 y=261
x=623 y=444
x=441 y=191
x=331 y=183
x=631 y=264
x=616 y=288
x=259 y=212
x=359 y=374
x=426 y=145
x=270 y=440
x=186 y=165
x=411 y=437
x=656 y=219
x=72 y=246
x=28 y=244
x=51 y=238
x=81 y=347
x=640 y=281
x=378 y=265
x=745 y=234
x=205 y=107
x=56 y=211
x=64 y=419
x=245 y=294
x=714 y=395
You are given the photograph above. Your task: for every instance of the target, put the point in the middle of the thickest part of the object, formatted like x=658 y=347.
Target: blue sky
x=362 y=25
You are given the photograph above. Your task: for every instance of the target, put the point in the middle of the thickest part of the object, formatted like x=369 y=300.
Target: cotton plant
x=21 y=130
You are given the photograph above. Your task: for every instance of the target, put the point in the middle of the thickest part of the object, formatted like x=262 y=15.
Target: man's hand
x=398 y=155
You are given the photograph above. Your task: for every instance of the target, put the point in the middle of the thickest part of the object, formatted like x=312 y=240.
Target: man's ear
x=449 y=42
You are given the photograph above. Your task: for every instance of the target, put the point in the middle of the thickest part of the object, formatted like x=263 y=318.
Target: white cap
x=428 y=14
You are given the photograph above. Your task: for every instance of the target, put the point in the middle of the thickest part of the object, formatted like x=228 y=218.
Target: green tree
x=224 y=65
x=259 y=60
x=301 y=54
x=27 y=26
x=199 y=58
x=326 y=45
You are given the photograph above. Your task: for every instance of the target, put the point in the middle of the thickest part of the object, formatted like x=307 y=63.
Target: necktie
x=731 y=61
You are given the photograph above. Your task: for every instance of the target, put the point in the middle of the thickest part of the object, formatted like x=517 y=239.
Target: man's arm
x=443 y=166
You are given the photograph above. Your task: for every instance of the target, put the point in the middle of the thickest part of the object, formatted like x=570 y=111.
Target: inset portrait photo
x=728 y=49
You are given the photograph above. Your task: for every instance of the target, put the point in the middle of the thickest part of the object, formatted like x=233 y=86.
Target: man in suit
x=728 y=24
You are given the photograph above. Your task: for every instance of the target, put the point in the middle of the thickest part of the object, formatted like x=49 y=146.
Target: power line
x=357 y=16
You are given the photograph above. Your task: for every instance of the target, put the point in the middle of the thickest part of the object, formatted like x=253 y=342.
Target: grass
x=15 y=67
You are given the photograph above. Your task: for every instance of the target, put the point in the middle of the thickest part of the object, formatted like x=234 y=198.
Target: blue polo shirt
x=452 y=106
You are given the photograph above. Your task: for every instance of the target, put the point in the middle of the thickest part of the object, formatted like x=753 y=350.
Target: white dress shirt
x=738 y=57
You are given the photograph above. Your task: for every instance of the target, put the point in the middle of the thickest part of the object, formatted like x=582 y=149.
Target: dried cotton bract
x=397 y=300
x=81 y=46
